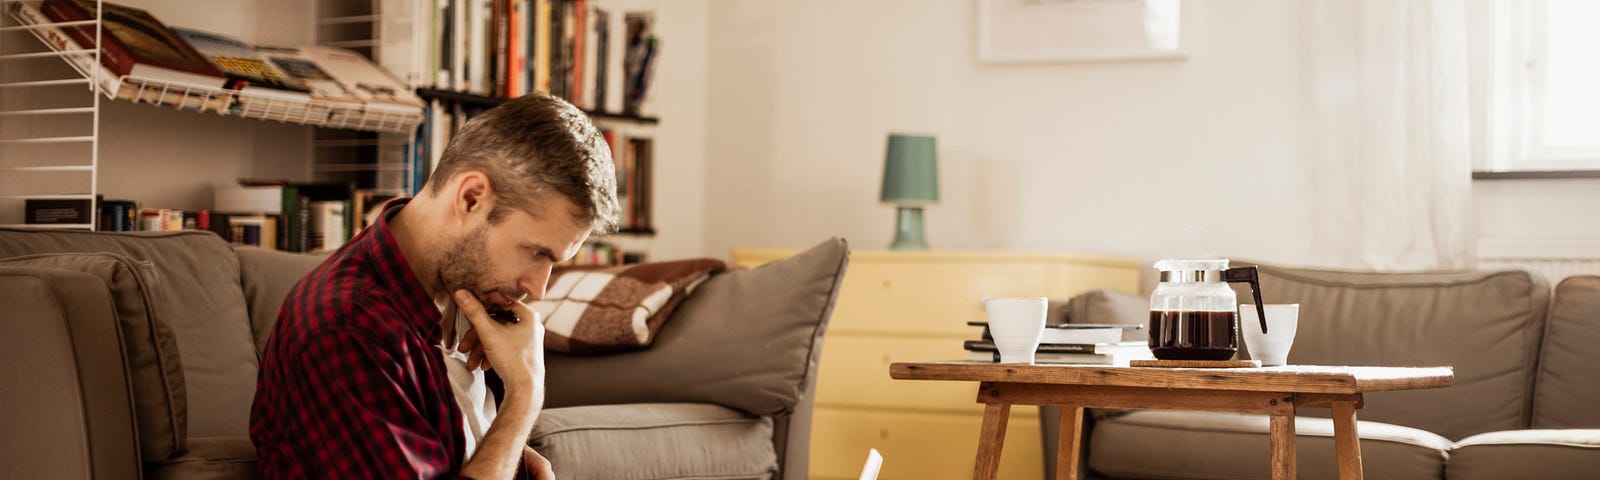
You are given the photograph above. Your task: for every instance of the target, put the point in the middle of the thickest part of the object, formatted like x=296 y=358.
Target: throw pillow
x=149 y=347
x=746 y=339
x=591 y=310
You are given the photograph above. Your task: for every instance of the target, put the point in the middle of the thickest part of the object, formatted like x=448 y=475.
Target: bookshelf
x=597 y=54
x=51 y=148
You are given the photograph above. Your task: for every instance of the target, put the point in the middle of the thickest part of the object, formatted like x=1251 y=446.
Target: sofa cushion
x=1487 y=325
x=769 y=320
x=149 y=349
x=1568 y=389
x=1199 y=445
x=1542 y=454
x=266 y=277
x=209 y=458
x=199 y=298
x=1112 y=307
x=655 y=441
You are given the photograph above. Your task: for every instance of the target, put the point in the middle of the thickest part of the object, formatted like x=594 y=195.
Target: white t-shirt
x=472 y=395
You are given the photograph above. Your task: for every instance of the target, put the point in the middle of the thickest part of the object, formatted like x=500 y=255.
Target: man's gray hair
x=531 y=147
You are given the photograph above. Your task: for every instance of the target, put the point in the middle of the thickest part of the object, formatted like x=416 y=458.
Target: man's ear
x=474 y=194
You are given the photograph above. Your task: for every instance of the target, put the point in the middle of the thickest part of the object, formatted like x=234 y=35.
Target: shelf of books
x=141 y=59
x=600 y=55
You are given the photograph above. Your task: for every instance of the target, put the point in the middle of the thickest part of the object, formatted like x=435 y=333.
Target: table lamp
x=910 y=182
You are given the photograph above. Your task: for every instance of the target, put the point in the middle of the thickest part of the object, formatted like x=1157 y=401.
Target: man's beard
x=466 y=263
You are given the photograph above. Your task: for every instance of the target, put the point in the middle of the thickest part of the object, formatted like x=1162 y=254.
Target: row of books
x=302 y=217
x=606 y=254
x=242 y=228
x=568 y=48
x=138 y=47
x=633 y=156
x=1084 y=344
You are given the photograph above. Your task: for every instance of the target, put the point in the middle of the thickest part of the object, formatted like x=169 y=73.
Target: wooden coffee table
x=1274 y=391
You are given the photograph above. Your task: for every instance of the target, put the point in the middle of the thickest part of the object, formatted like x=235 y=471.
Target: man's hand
x=469 y=343
x=537 y=465
x=517 y=348
x=474 y=350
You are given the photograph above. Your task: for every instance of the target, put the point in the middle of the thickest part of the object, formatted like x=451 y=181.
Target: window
x=1545 y=110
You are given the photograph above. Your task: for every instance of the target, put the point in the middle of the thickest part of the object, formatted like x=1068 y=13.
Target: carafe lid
x=1178 y=265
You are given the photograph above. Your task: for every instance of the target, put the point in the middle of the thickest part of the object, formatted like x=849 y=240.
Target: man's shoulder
x=340 y=294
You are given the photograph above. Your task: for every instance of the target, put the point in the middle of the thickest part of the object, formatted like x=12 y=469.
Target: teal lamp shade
x=910 y=171
x=910 y=182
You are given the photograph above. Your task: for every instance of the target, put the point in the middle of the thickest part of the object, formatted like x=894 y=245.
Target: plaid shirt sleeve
x=350 y=394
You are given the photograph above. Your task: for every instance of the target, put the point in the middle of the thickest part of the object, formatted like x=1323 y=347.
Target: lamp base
x=908 y=229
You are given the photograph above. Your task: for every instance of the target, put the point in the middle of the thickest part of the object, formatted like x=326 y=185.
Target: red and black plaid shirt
x=352 y=385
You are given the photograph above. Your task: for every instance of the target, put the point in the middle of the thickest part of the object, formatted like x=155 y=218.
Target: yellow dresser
x=906 y=306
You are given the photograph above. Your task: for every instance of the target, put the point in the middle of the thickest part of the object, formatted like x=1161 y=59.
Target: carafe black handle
x=1252 y=276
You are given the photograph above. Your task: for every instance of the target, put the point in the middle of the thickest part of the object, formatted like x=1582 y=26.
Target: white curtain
x=1387 y=133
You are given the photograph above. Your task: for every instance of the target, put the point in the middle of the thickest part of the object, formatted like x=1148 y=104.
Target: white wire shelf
x=48 y=111
x=46 y=83
x=50 y=168
x=47 y=140
x=50 y=226
x=288 y=107
x=56 y=196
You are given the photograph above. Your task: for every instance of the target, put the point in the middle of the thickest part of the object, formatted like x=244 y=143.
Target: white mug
x=1271 y=348
x=1016 y=325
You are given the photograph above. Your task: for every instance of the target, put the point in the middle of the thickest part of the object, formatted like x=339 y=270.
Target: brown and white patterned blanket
x=592 y=310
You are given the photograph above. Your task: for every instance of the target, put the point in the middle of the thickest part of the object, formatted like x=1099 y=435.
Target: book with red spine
x=136 y=44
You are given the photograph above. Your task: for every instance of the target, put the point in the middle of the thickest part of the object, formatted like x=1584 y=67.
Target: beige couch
x=1525 y=404
x=124 y=355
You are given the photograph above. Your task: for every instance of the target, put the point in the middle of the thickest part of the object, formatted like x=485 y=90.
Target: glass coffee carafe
x=1193 y=313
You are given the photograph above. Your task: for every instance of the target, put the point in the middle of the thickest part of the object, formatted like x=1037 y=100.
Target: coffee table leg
x=1346 y=441
x=990 y=440
x=1283 y=447
x=1067 y=447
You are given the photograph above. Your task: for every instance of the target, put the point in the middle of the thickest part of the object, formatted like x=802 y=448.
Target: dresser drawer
x=1069 y=279
x=928 y=299
x=855 y=373
x=918 y=446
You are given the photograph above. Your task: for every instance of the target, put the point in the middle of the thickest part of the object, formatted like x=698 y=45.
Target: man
x=355 y=382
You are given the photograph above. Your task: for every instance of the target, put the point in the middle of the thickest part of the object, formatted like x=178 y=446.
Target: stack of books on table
x=1070 y=344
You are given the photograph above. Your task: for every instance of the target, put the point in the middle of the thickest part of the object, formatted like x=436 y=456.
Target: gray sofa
x=129 y=355
x=1525 y=404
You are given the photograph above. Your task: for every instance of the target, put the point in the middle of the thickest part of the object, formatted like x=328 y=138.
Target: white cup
x=1271 y=348
x=1016 y=325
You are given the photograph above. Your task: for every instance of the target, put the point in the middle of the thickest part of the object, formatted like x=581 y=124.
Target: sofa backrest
x=1487 y=325
x=266 y=276
x=199 y=298
x=1567 y=391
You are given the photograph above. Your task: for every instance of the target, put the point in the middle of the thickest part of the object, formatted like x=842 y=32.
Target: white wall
x=1538 y=218
x=1196 y=157
x=679 y=96
x=1157 y=158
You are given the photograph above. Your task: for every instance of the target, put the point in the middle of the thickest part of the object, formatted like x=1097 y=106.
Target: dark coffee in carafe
x=1189 y=335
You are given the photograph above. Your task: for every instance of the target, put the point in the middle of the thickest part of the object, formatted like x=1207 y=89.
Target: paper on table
x=874 y=463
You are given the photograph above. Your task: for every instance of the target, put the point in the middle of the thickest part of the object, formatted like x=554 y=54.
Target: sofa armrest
x=67 y=407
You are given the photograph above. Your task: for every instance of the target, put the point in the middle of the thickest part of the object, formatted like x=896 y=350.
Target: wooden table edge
x=1277 y=379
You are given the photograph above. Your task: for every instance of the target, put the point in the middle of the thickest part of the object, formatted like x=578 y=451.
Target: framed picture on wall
x=1045 y=31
